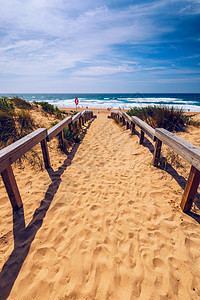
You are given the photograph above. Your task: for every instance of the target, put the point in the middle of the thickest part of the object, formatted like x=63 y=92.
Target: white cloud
x=104 y=70
x=46 y=38
x=43 y=38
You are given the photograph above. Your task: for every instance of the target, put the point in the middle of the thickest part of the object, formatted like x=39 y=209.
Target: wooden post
x=127 y=125
x=45 y=153
x=190 y=189
x=61 y=139
x=157 y=151
x=141 y=137
x=11 y=187
x=70 y=127
x=124 y=122
x=133 y=127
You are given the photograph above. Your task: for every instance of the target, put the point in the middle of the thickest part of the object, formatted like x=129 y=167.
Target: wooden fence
x=11 y=153
x=188 y=151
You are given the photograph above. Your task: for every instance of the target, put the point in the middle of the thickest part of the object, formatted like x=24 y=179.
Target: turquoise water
x=186 y=101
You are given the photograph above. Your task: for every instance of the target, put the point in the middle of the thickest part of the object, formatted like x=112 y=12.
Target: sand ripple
x=106 y=228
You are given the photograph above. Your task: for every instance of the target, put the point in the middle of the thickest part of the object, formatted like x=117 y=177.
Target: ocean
x=188 y=102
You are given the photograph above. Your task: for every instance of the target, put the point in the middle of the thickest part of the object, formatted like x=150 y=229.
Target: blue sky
x=99 y=46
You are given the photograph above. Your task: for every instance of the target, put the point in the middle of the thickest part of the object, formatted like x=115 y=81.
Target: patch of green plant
x=36 y=103
x=58 y=113
x=49 y=108
x=25 y=122
x=7 y=127
x=6 y=105
x=21 y=103
x=190 y=121
x=54 y=123
x=7 y=121
x=162 y=117
x=46 y=107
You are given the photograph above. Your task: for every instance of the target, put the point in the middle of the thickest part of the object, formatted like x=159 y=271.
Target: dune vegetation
x=164 y=117
x=18 y=118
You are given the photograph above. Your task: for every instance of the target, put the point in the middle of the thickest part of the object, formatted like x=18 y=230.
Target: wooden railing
x=130 y=123
x=160 y=135
x=11 y=153
x=190 y=153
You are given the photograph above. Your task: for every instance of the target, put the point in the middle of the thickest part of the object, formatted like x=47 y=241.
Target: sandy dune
x=103 y=223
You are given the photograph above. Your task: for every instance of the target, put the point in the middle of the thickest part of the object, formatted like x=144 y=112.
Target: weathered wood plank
x=141 y=137
x=188 y=151
x=157 y=151
x=190 y=189
x=133 y=127
x=83 y=117
x=61 y=139
x=45 y=153
x=11 y=187
x=52 y=132
x=145 y=127
x=11 y=153
x=76 y=117
x=127 y=117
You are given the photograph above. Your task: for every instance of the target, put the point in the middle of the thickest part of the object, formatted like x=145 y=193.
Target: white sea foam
x=119 y=101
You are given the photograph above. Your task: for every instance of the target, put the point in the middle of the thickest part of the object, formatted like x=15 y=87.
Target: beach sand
x=103 y=223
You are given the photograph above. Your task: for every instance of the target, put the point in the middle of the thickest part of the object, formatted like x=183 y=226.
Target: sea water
x=187 y=102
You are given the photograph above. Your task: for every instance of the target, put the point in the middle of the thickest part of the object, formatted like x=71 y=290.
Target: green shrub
x=25 y=122
x=7 y=127
x=21 y=103
x=7 y=121
x=58 y=113
x=162 y=117
x=46 y=107
x=6 y=105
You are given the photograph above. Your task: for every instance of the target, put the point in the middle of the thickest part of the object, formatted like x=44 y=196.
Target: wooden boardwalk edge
x=188 y=151
x=11 y=153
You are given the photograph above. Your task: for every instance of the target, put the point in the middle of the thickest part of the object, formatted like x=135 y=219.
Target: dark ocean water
x=185 y=101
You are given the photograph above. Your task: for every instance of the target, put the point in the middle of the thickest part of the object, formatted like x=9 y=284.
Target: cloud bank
x=65 y=46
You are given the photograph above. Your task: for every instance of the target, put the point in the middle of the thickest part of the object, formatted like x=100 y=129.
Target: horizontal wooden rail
x=127 y=118
x=11 y=153
x=130 y=122
x=144 y=127
x=76 y=117
x=53 y=131
x=190 y=153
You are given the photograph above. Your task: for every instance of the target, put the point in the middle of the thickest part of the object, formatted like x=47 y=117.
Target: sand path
x=106 y=229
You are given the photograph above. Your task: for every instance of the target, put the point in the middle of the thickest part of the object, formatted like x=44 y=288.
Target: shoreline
x=106 y=110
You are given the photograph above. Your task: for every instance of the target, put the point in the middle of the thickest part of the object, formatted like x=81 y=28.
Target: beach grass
x=164 y=117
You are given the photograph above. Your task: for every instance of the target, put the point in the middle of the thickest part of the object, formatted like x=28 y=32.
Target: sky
x=97 y=46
